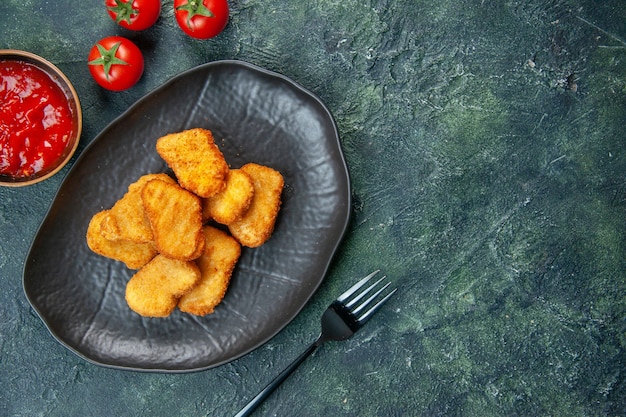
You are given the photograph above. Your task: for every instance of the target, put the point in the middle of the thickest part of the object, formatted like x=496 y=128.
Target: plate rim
x=345 y=221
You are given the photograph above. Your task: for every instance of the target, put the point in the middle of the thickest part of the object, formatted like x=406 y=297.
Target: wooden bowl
x=69 y=147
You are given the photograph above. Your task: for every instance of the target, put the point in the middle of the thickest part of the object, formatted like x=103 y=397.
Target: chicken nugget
x=216 y=265
x=126 y=219
x=175 y=217
x=196 y=160
x=155 y=289
x=134 y=255
x=257 y=224
x=232 y=203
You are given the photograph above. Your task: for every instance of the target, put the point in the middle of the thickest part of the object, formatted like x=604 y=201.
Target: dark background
x=486 y=149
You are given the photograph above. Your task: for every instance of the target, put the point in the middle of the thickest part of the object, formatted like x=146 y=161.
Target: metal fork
x=342 y=319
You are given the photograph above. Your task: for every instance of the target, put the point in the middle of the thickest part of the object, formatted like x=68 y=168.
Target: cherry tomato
x=134 y=14
x=115 y=63
x=201 y=19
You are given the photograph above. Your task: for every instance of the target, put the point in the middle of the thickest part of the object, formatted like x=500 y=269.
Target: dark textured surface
x=486 y=150
x=255 y=116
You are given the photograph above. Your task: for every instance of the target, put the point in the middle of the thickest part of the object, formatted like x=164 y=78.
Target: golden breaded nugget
x=155 y=289
x=216 y=264
x=232 y=203
x=126 y=219
x=196 y=160
x=134 y=255
x=257 y=225
x=175 y=216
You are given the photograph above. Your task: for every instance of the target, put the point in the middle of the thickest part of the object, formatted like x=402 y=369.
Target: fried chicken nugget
x=216 y=265
x=257 y=224
x=126 y=219
x=175 y=217
x=134 y=255
x=155 y=289
x=196 y=160
x=232 y=203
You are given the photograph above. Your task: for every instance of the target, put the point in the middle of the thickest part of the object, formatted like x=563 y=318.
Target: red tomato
x=115 y=63
x=201 y=19
x=134 y=14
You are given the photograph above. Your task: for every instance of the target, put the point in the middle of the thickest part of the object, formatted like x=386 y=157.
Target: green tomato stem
x=123 y=11
x=195 y=8
x=107 y=59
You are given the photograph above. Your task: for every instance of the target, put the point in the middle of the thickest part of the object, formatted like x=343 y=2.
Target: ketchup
x=35 y=120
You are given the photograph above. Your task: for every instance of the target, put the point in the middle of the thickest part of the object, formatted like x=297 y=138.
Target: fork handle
x=261 y=396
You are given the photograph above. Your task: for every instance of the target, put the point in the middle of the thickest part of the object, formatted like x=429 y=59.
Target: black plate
x=256 y=116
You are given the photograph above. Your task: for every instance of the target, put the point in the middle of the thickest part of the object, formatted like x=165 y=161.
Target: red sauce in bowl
x=35 y=120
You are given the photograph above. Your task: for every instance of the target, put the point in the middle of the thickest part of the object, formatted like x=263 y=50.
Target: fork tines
x=378 y=287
